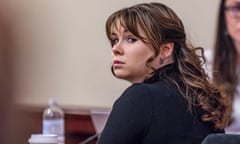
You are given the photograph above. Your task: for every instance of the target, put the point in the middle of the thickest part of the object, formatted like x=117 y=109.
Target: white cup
x=43 y=139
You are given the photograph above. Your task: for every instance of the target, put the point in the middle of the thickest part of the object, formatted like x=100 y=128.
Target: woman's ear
x=166 y=53
x=166 y=50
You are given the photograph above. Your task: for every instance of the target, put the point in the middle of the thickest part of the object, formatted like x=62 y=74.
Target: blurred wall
x=61 y=50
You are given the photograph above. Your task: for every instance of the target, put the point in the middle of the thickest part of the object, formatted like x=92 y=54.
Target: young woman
x=170 y=99
x=226 y=61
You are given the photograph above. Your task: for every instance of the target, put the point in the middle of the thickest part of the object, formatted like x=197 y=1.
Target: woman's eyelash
x=132 y=39
x=114 y=40
x=128 y=39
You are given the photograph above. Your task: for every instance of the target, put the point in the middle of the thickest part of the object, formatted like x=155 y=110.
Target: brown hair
x=162 y=25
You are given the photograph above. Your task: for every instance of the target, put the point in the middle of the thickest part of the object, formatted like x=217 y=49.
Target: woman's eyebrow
x=113 y=34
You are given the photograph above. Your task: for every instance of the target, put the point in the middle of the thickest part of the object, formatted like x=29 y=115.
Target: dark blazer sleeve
x=130 y=117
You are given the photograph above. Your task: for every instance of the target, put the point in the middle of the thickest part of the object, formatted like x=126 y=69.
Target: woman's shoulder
x=145 y=91
x=146 y=88
x=136 y=90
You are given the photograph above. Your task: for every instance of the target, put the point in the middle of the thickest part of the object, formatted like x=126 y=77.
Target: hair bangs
x=127 y=18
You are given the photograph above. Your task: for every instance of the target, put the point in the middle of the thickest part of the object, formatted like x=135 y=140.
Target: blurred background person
x=226 y=60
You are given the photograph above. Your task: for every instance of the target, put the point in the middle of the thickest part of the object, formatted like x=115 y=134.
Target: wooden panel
x=78 y=128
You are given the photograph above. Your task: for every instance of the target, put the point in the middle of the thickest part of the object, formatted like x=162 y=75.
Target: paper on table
x=99 y=118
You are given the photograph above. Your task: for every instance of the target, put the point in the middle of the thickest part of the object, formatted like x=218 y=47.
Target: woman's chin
x=120 y=75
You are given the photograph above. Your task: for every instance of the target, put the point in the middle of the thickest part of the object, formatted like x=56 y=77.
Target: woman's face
x=129 y=55
x=232 y=16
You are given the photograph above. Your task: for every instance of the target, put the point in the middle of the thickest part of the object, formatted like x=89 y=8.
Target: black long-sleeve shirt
x=154 y=112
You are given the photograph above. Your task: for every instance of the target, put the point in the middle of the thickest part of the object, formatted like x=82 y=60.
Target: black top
x=154 y=112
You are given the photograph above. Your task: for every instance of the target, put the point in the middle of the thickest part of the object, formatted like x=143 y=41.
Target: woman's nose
x=117 y=49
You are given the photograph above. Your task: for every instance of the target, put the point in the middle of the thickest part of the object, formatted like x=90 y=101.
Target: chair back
x=222 y=139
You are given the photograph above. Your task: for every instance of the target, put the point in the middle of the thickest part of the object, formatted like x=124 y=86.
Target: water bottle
x=53 y=120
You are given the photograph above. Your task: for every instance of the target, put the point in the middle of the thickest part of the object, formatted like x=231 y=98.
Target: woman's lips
x=117 y=63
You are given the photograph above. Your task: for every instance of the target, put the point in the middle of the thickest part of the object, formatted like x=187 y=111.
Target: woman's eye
x=115 y=41
x=132 y=40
